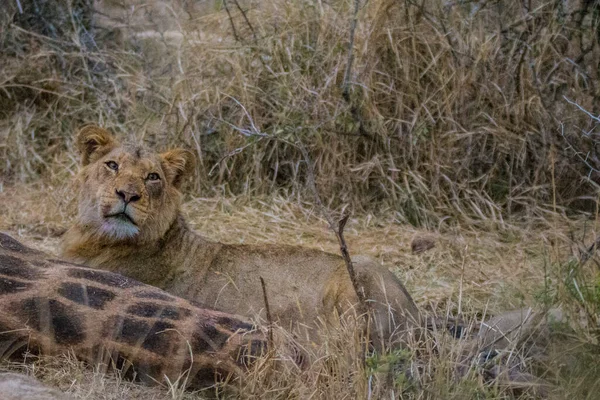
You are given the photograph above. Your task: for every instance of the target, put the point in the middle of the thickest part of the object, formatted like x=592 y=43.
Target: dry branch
x=362 y=301
x=233 y=29
x=268 y=310
x=245 y=16
x=244 y=13
x=348 y=72
x=589 y=252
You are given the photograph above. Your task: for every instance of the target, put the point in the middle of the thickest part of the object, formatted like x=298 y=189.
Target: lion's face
x=128 y=193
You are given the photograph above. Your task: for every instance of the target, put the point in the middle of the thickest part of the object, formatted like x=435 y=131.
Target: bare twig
x=589 y=252
x=346 y=81
x=362 y=301
x=236 y=35
x=246 y=19
x=590 y=158
x=354 y=110
x=585 y=158
x=233 y=29
x=233 y=153
x=589 y=114
x=268 y=309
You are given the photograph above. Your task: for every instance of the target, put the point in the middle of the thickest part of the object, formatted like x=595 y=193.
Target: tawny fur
x=54 y=307
x=303 y=285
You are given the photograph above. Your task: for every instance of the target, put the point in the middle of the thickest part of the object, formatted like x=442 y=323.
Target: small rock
x=421 y=244
x=22 y=387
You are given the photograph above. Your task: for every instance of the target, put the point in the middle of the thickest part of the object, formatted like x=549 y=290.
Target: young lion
x=129 y=222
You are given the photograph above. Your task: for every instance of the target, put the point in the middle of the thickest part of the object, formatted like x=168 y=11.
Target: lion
x=129 y=222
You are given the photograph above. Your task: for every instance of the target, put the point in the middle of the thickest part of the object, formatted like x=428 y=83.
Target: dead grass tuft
x=451 y=110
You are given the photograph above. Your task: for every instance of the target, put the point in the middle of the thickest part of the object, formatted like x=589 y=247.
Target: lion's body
x=302 y=284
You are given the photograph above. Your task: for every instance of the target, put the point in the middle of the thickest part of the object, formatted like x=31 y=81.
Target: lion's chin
x=119 y=228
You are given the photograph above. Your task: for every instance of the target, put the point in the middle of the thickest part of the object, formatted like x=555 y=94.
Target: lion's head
x=127 y=192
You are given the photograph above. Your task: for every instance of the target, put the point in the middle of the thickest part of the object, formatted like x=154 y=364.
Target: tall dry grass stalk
x=453 y=109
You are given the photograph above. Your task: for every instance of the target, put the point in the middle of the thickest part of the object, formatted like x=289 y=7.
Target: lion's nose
x=128 y=197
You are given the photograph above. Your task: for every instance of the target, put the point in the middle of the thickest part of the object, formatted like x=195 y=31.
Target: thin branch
x=255 y=130
x=246 y=19
x=235 y=34
x=233 y=153
x=268 y=309
x=346 y=82
x=589 y=252
x=360 y=293
x=589 y=114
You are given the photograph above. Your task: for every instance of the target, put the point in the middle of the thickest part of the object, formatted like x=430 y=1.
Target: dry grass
x=493 y=262
x=83 y=382
x=455 y=127
x=471 y=272
x=453 y=110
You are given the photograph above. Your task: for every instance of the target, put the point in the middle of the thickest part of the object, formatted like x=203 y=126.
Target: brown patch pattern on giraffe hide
x=18 y=268
x=56 y=307
x=234 y=325
x=209 y=338
x=86 y=295
x=158 y=337
x=249 y=353
x=8 y=286
x=51 y=316
x=150 y=310
x=10 y=244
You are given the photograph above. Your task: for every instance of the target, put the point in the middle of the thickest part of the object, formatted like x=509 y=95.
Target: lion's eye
x=112 y=165
x=153 y=176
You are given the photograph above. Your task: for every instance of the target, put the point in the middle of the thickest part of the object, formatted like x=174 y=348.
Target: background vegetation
x=455 y=109
x=454 y=114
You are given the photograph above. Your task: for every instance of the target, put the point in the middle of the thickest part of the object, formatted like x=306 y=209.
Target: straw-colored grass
x=469 y=272
x=452 y=110
x=458 y=121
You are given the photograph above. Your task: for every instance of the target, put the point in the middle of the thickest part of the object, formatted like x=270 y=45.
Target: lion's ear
x=94 y=142
x=178 y=165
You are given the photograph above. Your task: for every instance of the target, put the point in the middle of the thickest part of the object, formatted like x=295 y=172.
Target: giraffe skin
x=52 y=307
